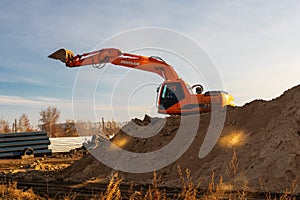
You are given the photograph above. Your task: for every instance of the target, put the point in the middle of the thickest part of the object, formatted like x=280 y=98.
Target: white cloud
x=14 y=100
x=19 y=79
x=36 y=102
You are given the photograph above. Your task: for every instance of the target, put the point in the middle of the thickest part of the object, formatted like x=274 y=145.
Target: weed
x=215 y=190
x=10 y=191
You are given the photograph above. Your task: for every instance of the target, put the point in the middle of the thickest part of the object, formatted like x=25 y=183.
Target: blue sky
x=253 y=44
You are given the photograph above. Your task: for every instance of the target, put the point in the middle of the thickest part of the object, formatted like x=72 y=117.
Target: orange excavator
x=175 y=96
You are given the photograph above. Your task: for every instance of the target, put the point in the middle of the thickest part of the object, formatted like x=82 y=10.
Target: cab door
x=170 y=94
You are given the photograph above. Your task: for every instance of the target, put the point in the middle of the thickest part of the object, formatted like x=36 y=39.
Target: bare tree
x=49 y=117
x=70 y=128
x=4 y=126
x=24 y=123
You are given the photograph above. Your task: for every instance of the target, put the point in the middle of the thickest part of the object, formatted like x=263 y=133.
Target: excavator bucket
x=63 y=55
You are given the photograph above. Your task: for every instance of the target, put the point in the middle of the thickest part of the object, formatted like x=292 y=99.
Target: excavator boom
x=116 y=57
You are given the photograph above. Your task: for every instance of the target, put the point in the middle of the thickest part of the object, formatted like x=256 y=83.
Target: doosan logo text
x=127 y=62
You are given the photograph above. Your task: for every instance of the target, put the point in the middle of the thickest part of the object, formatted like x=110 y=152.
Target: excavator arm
x=116 y=57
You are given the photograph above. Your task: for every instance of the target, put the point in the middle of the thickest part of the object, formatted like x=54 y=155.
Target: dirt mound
x=264 y=136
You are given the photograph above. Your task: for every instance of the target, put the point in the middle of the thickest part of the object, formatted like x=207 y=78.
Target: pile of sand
x=264 y=134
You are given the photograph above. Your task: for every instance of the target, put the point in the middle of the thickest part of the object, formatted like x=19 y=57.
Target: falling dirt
x=265 y=135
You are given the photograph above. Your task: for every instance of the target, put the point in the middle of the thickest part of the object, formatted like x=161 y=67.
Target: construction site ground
x=40 y=175
x=257 y=152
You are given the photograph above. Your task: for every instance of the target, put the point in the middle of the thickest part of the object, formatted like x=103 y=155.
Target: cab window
x=171 y=94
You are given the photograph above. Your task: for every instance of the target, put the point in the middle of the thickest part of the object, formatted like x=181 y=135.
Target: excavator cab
x=175 y=98
x=170 y=94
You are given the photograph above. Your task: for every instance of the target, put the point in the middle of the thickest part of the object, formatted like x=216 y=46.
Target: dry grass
x=215 y=190
x=288 y=194
x=189 y=191
x=113 y=190
x=10 y=191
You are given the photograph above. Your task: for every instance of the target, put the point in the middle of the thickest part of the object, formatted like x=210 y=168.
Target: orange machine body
x=176 y=98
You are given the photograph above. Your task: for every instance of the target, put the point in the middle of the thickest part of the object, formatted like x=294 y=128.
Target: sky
x=252 y=45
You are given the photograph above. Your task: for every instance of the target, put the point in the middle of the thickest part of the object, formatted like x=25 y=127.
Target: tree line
x=22 y=125
x=48 y=121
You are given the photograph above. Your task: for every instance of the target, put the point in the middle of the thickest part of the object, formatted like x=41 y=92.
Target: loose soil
x=265 y=135
x=258 y=150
